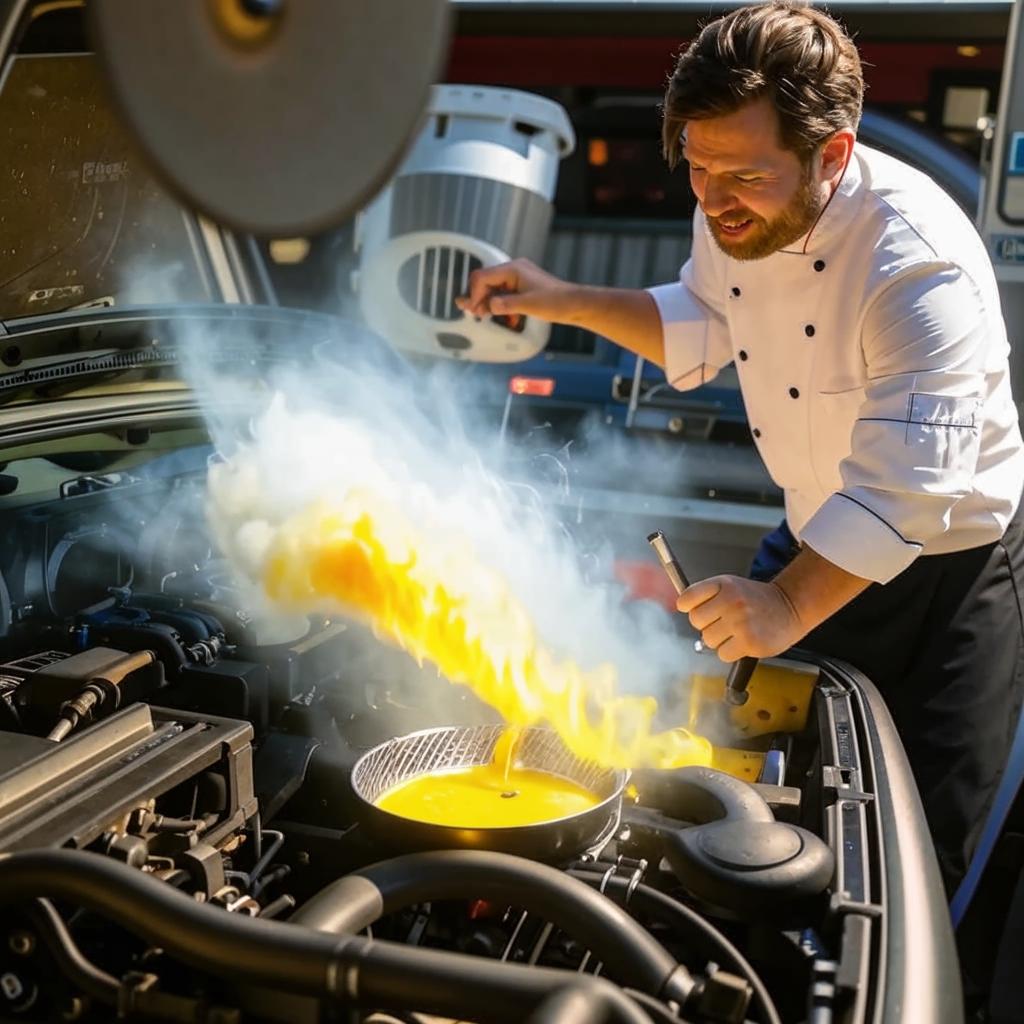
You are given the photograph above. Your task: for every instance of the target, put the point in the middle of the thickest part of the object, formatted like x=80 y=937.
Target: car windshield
x=82 y=219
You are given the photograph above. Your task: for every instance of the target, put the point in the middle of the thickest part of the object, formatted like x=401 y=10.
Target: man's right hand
x=518 y=288
x=627 y=316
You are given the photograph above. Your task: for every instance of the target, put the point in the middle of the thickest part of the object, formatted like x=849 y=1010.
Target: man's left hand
x=737 y=617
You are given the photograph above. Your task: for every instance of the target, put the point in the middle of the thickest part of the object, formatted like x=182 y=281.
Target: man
x=861 y=310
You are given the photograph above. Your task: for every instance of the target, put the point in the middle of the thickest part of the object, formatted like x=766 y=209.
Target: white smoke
x=412 y=437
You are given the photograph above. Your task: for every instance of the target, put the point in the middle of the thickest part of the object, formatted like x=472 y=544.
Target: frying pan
x=436 y=750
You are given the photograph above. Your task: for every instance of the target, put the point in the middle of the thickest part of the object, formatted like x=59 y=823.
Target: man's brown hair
x=786 y=50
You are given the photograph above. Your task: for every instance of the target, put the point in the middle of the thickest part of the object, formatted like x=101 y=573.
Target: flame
x=434 y=599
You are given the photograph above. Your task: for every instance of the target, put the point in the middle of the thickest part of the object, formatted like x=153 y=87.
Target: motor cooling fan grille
x=430 y=281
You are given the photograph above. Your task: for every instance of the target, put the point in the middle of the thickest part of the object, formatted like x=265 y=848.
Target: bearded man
x=861 y=310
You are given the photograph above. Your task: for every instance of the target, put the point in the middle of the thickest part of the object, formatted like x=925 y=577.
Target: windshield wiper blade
x=111 y=363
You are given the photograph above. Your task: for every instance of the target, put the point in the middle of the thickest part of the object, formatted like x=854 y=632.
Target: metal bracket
x=843 y=784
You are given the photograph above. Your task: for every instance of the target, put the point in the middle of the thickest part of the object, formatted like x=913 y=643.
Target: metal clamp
x=625 y=867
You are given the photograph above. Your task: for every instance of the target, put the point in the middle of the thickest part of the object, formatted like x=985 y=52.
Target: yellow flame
x=440 y=604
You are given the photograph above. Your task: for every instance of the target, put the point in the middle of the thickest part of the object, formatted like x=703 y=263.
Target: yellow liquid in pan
x=482 y=797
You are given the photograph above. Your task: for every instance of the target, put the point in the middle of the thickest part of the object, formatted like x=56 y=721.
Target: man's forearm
x=816 y=588
x=627 y=316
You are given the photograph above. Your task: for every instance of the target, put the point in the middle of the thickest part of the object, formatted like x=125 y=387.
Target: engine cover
x=72 y=792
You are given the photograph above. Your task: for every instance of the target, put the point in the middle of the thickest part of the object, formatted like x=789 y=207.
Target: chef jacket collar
x=838 y=212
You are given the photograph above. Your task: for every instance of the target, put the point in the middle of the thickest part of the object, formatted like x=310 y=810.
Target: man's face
x=758 y=197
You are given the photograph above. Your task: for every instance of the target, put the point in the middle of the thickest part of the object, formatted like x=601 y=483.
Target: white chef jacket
x=872 y=357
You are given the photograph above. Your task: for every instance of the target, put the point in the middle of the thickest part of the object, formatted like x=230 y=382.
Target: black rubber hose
x=700 y=795
x=574 y=1004
x=650 y=901
x=203 y=935
x=460 y=986
x=70 y=960
x=659 y=1012
x=349 y=969
x=631 y=953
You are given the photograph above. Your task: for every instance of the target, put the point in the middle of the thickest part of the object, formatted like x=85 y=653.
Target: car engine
x=185 y=833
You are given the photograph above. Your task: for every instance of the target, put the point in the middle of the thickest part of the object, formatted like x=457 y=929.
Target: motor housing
x=475 y=190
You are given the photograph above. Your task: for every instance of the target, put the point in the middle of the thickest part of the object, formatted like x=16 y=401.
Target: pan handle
x=738 y=680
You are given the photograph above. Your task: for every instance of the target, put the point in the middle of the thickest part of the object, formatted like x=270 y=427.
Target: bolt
x=20 y=997
x=675 y=425
x=303 y=858
x=21 y=943
x=11 y=986
x=261 y=8
x=72 y=1009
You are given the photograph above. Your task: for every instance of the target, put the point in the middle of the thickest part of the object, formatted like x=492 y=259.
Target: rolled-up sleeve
x=915 y=443
x=695 y=334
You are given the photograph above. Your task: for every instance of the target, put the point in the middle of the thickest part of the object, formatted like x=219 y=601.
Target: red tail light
x=542 y=386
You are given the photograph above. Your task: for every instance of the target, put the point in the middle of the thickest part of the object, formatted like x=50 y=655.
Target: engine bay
x=183 y=793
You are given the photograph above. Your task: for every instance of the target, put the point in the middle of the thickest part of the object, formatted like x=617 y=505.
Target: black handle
x=739 y=678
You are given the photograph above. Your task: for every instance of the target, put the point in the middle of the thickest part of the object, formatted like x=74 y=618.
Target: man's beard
x=765 y=237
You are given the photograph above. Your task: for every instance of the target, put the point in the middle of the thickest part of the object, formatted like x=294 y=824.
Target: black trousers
x=944 y=643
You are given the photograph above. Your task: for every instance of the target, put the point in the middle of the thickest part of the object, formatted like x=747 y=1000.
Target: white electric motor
x=475 y=190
